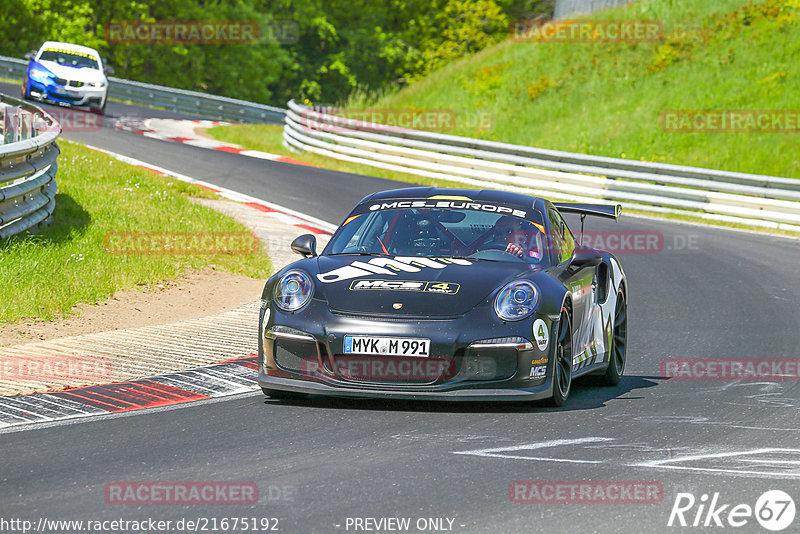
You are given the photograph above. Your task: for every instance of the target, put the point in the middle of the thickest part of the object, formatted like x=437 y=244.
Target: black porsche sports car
x=446 y=294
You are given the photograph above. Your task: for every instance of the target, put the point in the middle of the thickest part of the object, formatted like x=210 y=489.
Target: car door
x=581 y=283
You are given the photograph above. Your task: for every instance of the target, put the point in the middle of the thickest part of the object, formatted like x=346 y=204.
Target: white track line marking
x=789 y=466
x=667 y=464
x=498 y=451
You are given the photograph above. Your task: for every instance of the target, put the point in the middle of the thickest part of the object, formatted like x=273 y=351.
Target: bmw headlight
x=97 y=84
x=293 y=291
x=516 y=301
x=38 y=74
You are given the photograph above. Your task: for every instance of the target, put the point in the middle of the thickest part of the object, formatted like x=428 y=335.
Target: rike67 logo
x=774 y=510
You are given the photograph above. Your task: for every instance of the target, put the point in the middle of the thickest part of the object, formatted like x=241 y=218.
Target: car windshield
x=480 y=231
x=69 y=58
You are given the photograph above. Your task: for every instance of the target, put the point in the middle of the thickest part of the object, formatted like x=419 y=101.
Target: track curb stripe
x=140 y=127
x=220 y=380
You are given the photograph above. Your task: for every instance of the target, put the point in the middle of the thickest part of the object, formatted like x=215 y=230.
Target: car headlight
x=293 y=291
x=38 y=74
x=97 y=84
x=516 y=301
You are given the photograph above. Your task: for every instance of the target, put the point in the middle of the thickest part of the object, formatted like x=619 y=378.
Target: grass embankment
x=42 y=276
x=607 y=98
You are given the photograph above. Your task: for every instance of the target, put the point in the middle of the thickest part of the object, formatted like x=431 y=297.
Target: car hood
x=73 y=73
x=410 y=286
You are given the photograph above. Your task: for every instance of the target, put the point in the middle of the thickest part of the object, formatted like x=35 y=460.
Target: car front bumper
x=73 y=96
x=307 y=357
x=463 y=394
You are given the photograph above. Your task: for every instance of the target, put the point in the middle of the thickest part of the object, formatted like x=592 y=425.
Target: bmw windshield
x=69 y=58
x=428 y=228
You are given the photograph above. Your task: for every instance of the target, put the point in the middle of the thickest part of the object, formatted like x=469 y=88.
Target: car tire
x=619 y=343
x=26 y=95
x=100 y=110
x=562 y=367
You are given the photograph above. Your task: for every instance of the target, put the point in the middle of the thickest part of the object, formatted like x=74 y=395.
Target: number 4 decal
x=541 y=334
x=448 y=288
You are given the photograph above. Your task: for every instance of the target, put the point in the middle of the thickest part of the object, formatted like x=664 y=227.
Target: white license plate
x=387 y=346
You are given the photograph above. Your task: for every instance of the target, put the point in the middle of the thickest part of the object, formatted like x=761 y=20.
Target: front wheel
x=100 y=110
x=562 y=368
x=619 y=343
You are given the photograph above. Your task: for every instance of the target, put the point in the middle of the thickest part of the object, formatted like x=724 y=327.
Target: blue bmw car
x=67 y=75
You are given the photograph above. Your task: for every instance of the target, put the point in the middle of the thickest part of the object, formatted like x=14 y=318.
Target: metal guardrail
x=14 y=68
x=199 y=105
x=27 y=166
x=756 y=200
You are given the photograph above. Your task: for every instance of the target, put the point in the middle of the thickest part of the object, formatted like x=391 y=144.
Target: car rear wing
x=598 y=210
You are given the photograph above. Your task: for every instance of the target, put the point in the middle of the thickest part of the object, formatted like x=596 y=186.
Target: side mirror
x=108 y=70
x=30 y=55
x=305 y=245
x=584 y=256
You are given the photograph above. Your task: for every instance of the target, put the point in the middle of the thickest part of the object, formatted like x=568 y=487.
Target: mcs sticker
x=538 y=372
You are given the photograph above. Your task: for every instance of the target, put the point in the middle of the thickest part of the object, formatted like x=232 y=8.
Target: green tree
x=337 y=48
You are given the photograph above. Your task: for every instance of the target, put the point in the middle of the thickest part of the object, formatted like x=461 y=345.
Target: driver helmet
x=510 y=229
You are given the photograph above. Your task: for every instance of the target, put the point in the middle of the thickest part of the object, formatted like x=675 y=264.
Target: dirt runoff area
x=194 y=295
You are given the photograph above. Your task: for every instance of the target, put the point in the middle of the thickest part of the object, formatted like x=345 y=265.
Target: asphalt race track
x=321 y=464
